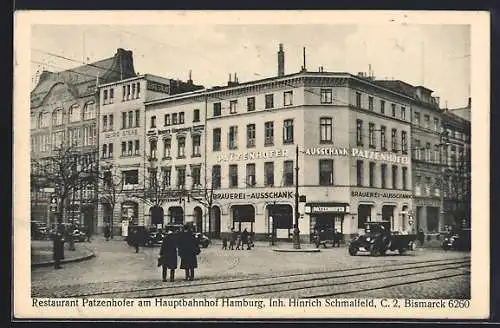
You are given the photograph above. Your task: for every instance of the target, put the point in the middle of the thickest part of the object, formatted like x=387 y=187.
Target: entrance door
x=243 y=217
x=214 y=227
x=198 y=219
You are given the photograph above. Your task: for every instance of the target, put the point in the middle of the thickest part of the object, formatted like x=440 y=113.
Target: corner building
x=353 y=159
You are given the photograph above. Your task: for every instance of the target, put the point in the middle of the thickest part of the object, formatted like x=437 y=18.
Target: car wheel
x=374 y=250
x=402 y=251
x=353 y=251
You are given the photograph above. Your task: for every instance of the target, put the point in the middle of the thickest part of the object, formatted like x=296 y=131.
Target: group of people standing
x=238 y=239
x=182 y=244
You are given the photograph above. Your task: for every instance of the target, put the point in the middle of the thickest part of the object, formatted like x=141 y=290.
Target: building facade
x=64 y=111
x=126 y=166
x=353 y=157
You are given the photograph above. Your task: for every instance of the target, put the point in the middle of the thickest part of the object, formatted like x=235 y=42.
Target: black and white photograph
x=264 y=164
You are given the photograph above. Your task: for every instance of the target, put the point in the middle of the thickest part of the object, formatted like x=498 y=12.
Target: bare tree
x=109 y=188
x=459 y=187
x=205 y=195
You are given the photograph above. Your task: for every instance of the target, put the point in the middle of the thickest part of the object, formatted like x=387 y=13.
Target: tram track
x=316 y=284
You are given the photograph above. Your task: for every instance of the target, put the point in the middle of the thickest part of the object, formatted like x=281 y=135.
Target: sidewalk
x=41 y=253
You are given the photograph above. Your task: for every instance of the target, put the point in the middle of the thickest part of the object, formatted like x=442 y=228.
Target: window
x=268 y=133
x=428 y=184
x=167 y=148
x=216 y=177
x=216 y=139
x=104 y=150
x=436 y=154
x=393 y=108
x=382 y=107
x=138 y=90
x=131 y=119
x=250 y=135
x=89 y=111
x=128 y=92
x=288 y=173
x=167 y=176
x=196 y=175
x=359 y=173
x=74 y=113
x=57 y=117
x=251 y=104
x=196 y=145
x=288 y=98
x=105 y=123
x=427 y=121
x=124 y=120
x=418 y=185
x=124 y=92
x=326 y=172
x=403 y=113
x=371 y=135
x=394 y=141
x=233 y=106
x=418 y=149
x=124 y=148
x=394 y=177
x=111 y=121
x=358 y=100
x=137 y=117
x=326 y=96
x=133 y=90
x=89 y=135
x=181 y=176
x=436 y=124
x=152 y=148
x=196 y=115
x=217 y=109
x=359 y=132
x=383 y=141
x=174 y=118
x=269 y=173
x=287 y=131
x=372 y=174
x=370 y=103
x=74 y=136
x=428 y=152
x=166 y=120
x=181 y=118
x=251 y=175
x=383 y=175
x=105 y=97
x=137 y=147
x=269 y=101
x=153 y=122
x=130 y=177
x=404 y=142
x=111 y=95
x=233 y=175
x=233 y=137
x=131 y=150
x=416 y=118
x=325 y=130
x=181 y=147
x=404 y=178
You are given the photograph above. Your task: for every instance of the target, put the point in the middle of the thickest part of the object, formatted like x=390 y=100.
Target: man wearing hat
x=168 y=256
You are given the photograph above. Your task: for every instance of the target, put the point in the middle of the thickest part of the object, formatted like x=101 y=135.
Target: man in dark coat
x=168 y=256
x=244 y=239
x=58 y=246
x=188 y=249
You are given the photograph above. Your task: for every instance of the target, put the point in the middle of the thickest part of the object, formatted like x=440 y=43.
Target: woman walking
x=188 y=250
x=168 y=256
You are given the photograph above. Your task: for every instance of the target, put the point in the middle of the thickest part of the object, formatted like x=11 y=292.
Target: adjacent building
x=64 y=111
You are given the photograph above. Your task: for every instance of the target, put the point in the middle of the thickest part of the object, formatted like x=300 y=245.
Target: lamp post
x=296 y=231
x=442 y=143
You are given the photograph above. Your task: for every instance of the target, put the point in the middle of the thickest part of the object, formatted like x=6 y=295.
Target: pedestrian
x=244 y=239
x=188 y=250
x=106 y=232
x=135 y=239
x=224 y=242
x=70 y=237
x=58 y=246
x=234 y=237
x=168 y=256
x=421 y=237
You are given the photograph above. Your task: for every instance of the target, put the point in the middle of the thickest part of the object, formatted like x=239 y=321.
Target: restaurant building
x=353 y=157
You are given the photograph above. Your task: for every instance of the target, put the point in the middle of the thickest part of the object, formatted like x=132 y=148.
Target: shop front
x=243 y=217
x=326 y=217
x=280 y=225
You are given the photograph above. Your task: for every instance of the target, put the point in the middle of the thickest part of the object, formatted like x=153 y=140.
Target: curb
x=73 y=260
x=301 y=250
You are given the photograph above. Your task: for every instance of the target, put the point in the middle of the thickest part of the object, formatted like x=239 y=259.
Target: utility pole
x=296 y=231
x=442 y=171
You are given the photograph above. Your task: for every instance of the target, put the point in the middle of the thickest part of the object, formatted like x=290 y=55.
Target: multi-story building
x=457 y=171
x=352 y=137
x=427 y=146
x=64 y=113
x=122 y=139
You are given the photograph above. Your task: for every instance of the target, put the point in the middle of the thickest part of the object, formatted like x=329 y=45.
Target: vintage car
x=146 y=236
x=80 y=234
x=39 y=230
x=377 y=239
x=458 y=240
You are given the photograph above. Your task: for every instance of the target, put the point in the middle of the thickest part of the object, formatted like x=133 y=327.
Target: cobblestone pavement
x=117 y=268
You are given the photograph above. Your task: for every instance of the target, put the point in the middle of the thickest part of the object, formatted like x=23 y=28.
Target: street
x=117 y=271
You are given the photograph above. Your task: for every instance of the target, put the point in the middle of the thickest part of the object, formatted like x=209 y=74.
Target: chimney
x=229 y=80
x=235 y=78
x=469 y=102
x=304 y=58
x=190 y=81
x=281 y=61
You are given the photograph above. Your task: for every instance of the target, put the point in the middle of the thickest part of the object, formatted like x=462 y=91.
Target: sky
x=436 y=56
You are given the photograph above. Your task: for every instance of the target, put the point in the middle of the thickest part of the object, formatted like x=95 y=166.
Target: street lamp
x=186 y=188
x=296 y=231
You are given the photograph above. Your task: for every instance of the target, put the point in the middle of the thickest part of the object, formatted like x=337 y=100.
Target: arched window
x=89 y=111
x=43 y=120
x=75 y=113
x=57 y=117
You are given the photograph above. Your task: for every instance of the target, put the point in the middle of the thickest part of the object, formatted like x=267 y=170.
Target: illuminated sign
x=254 y=195
x=273 y=153
x=357 y=152
x=124 y=133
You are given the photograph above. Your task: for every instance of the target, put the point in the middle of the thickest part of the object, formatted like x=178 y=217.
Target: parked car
x=79 y=234
x=39 y=230
x=378 y=239
x=147 y=236
x=327 y=236
x=203 y=240
x=458 y=240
